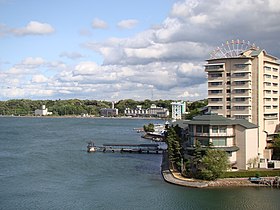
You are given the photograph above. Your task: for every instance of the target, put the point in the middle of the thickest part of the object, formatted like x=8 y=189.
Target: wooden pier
x=130 y=148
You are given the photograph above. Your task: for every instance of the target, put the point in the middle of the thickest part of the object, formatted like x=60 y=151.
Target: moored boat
x=91 y=147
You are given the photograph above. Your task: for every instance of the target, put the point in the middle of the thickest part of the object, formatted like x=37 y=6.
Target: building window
x=209 y=67
x=267 y=91
x=267 y=68
x=240 y=91
x=199 y=128
x=216 y=107
x=222 y=129
x=228 y=82
x=216 y=91
x=275 y=84
x=240 y=74
x=241 y=116
x=267 y=83
x=228 y=74
x=275 y=77
x=203 y=142
x=240 y=66
x=214 y=129
x=228 y=116
x=240 y=107
x=268 y=76
x=275 y=69
x=228 y=90
x=219 y=141
x=215 y=75
x=205 y=129
x=216 y=99
x=228 y=107
x=228 y=99
x=240 y=82
x=240 y=99
x=215 y=83
x=275 y=91
x=275 y=99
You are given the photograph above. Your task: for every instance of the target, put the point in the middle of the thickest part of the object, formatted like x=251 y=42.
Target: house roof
x=212 y=119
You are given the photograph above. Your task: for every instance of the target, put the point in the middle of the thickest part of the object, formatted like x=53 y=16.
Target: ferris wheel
x=232 y=49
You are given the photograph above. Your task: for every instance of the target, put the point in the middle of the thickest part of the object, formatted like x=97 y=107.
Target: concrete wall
x=246 y=140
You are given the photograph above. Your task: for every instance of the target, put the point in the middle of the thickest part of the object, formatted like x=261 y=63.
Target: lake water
x=44 y=165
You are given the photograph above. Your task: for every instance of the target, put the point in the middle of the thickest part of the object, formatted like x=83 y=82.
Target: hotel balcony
x=209 y=135
x=215 y=67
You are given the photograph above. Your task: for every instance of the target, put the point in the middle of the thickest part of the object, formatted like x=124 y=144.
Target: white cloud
x=127 y=24
x=39 y=78
x=87 y=67
x=71 y=55
x=34 y=28
x=99 y=24
x=31 y=61
x=166 y=60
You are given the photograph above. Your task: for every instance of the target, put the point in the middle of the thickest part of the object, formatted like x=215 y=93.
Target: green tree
x=276 y=147
x=213 y=164
x=149 y=128
x=174 y=147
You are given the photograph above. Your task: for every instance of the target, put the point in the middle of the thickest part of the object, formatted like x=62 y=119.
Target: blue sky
x=112 y=50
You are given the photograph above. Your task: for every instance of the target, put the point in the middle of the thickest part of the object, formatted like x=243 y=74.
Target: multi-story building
x=244 y=84
x=178 y=108
x=235 y=136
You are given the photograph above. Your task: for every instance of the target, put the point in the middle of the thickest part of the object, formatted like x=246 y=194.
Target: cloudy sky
x=112 y=50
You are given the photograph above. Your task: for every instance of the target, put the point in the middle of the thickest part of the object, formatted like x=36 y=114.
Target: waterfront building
x=43 y=111
x=243 y=83
x=153 y=111
x=138 y=112
x=235 y=136
x=178 y=108
x=109 y=112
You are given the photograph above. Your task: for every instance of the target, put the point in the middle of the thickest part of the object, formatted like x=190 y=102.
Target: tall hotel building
x=243 y=83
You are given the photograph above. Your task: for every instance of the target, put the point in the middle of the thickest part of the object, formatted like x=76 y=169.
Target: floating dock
x=130 y=148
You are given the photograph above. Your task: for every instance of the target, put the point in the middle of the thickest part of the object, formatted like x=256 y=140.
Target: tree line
x=26 y=107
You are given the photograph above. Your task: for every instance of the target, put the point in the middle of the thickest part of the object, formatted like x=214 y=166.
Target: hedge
x=251 y=173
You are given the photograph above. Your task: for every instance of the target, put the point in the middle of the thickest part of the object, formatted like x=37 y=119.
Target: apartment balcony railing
x=196 y=134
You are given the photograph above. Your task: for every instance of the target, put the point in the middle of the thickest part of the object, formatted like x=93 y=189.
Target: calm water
x=44 y=165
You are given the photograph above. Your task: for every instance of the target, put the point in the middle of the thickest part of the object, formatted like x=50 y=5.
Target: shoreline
x=78 y=116
x=176 y=178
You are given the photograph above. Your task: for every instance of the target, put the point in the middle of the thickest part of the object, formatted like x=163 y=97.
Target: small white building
x=178 y=108
x=43 y=111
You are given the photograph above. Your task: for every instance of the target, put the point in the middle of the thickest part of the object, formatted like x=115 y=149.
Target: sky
x=113 y=50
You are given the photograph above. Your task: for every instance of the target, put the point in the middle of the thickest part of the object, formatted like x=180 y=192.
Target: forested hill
x=24 y=107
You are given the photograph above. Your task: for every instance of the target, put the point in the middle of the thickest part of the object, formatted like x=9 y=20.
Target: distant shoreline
x=78 y=116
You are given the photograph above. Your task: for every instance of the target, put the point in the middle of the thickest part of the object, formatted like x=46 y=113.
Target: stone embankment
x=176 y=178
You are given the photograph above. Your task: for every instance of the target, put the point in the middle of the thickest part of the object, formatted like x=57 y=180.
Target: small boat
x=255 y=179
x=91 y=147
